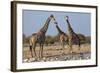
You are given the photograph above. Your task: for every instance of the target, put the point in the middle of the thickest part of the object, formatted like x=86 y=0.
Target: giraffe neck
x=59 y=30
x=45 y=27
x=70 y=30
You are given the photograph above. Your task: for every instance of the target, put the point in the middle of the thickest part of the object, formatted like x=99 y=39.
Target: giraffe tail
x=79 y=44
x=30 y=48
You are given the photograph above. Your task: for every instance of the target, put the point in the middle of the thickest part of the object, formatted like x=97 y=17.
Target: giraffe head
x=52 y=17
x=66 y=17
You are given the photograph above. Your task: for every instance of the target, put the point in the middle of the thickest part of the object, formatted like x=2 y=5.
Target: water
x=64 y=57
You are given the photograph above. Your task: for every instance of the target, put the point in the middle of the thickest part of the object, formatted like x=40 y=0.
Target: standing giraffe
x=39 y=37
x=72 y=36
x=63 y=37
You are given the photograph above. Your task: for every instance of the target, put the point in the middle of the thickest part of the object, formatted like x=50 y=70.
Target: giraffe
x=72 y=36
x=39 y=37
x=63 y=37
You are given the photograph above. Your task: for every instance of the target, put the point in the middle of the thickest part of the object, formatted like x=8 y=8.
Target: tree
x=24 y=37
x=88 y=39
x=82 y=38
x=56 y=38
x=49 y=40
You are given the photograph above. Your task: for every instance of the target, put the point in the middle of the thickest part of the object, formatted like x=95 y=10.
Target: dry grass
x=56 y=50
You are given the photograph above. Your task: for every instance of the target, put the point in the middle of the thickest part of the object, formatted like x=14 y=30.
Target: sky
x=33 y=21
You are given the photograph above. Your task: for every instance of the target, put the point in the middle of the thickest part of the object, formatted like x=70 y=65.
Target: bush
x=49 y=40
x=25 y=39
x=82 y=38
x=88 y=39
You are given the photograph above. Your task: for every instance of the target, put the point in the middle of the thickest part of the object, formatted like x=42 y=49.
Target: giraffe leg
x=42 y=51
x=70 y=45
x=34 y=46
x=62 y=47
x=31 y=50
x=79 y=47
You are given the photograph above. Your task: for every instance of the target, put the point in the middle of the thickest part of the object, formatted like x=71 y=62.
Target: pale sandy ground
x=55 y=53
